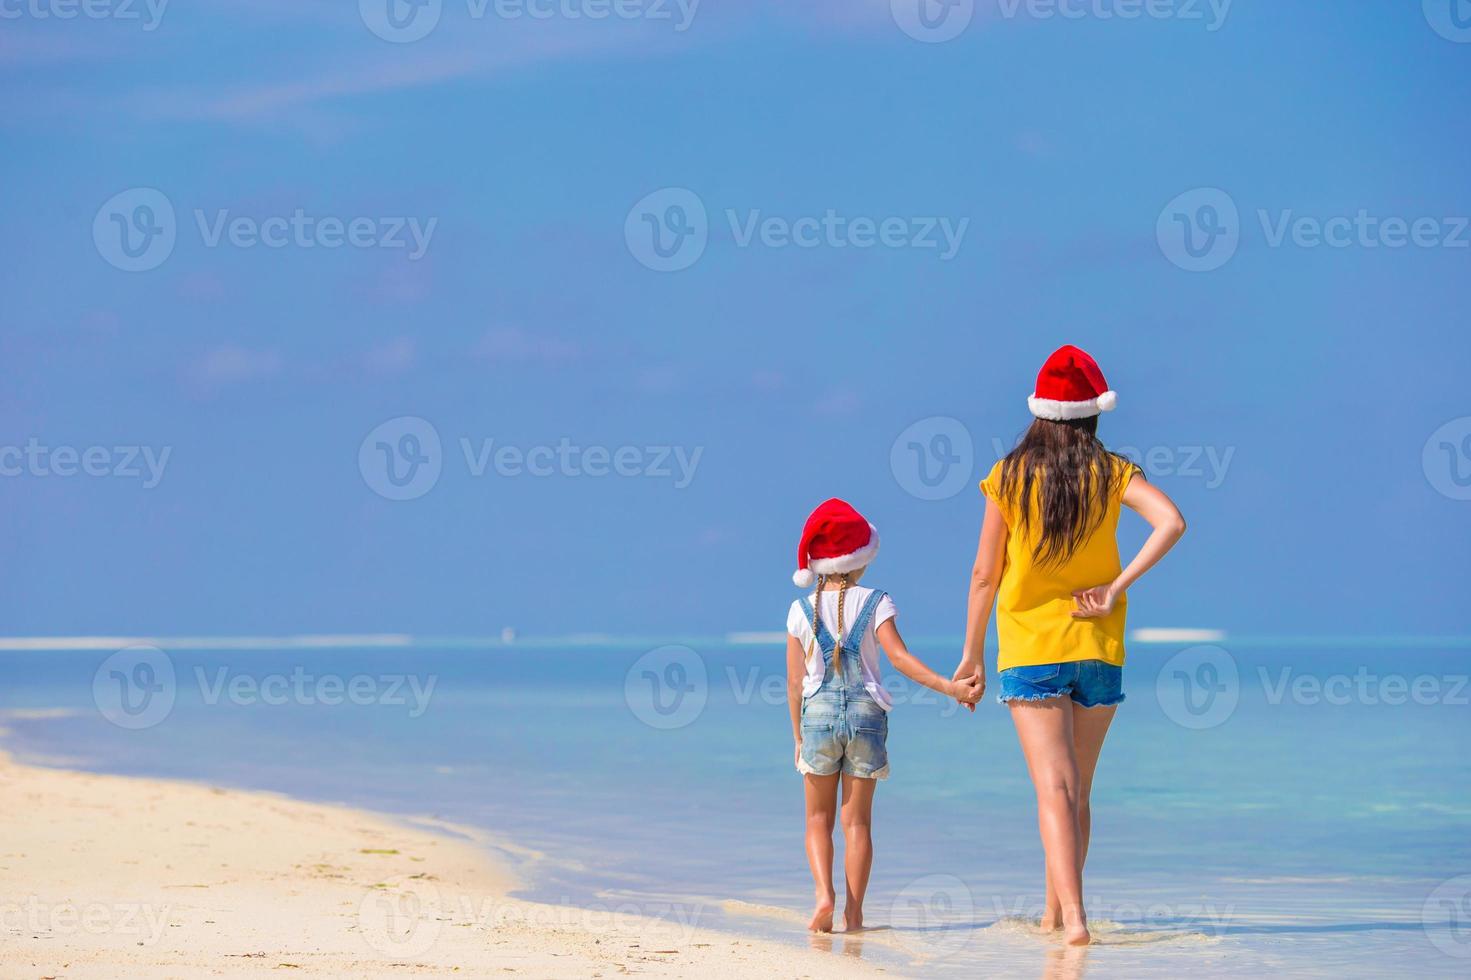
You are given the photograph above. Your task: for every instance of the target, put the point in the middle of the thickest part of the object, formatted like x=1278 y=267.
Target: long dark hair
x=1072 y=473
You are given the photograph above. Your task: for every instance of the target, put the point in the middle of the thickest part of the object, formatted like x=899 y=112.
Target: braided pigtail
x=816 y=598
x=838 y=636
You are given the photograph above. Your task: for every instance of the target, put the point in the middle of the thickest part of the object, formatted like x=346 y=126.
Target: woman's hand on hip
x=1095 y=602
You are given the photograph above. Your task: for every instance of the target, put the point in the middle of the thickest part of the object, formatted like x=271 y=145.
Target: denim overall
x=843 y=728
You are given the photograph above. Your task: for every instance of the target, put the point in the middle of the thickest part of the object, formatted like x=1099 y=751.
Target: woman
x=1049 y=561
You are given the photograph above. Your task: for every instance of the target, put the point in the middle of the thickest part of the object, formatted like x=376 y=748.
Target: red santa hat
x=836 y=538
x=1071 y=386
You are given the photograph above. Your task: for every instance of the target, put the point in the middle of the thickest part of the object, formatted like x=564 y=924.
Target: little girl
x=1049 y=560
x=838 y=703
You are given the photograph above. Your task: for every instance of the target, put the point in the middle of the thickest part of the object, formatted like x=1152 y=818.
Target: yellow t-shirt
x=1034 y=605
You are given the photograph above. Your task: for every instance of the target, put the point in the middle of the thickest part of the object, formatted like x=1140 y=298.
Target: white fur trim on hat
x=1047 y=408
x=844 y=563
x=804 y=578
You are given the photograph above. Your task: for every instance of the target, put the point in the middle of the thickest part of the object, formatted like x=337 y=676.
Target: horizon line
x=510 y=640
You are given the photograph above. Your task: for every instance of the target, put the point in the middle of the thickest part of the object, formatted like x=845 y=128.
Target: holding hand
x=1095 y=602
x=969 y=690
x=968 y=684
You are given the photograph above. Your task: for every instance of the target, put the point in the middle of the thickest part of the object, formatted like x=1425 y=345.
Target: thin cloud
x=836 y=404
x=21 y=48
x=463 y=48
x=661 y=379
x=230 y=365
x=347 y=62
x=392 y=357
x=514 y=345
x=421 y=66
x=1034 y=143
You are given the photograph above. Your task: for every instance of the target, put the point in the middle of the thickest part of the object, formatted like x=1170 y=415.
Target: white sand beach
x=118 y=877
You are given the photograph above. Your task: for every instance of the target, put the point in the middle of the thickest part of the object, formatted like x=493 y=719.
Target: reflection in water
x=852 y=942
x=1066 y=963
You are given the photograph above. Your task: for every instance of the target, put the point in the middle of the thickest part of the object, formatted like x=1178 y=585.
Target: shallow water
x=1262 y=810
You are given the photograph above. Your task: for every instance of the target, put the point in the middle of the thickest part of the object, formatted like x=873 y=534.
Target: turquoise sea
x=1267 y=806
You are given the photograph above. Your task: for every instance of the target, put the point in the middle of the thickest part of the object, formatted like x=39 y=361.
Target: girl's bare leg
x=822 y=806
x=1045 y=729
x=1090 y=725
x=858 y=845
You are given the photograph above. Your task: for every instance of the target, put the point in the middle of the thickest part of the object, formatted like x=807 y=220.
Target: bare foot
x=1075 y=929
x=822 y=915
x=1051 y=920
x=853 y=919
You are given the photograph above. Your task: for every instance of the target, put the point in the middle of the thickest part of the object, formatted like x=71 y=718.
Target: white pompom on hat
x=835 y=539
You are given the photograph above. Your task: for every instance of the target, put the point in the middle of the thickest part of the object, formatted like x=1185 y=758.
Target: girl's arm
x=985 y=576
x=967 y=690
x=796 y=671
x=1160 y=511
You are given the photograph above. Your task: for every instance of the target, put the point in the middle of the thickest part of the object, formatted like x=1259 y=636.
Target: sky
x=336 y=317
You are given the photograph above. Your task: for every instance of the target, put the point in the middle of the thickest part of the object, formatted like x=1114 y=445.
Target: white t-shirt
x=799 y=624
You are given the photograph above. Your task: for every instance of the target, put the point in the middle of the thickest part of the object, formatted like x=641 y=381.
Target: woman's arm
x=1152 y=504
x=796 y=671
x=985 y=576
x=966 y=690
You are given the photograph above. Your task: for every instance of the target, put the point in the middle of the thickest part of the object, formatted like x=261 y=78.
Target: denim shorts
x=844 y=730
x=1090 y=683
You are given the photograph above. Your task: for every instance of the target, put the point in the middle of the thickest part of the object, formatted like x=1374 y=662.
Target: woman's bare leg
x=1090 y=726
x=1045 y=729
x=858 y=845
x=822 y=805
